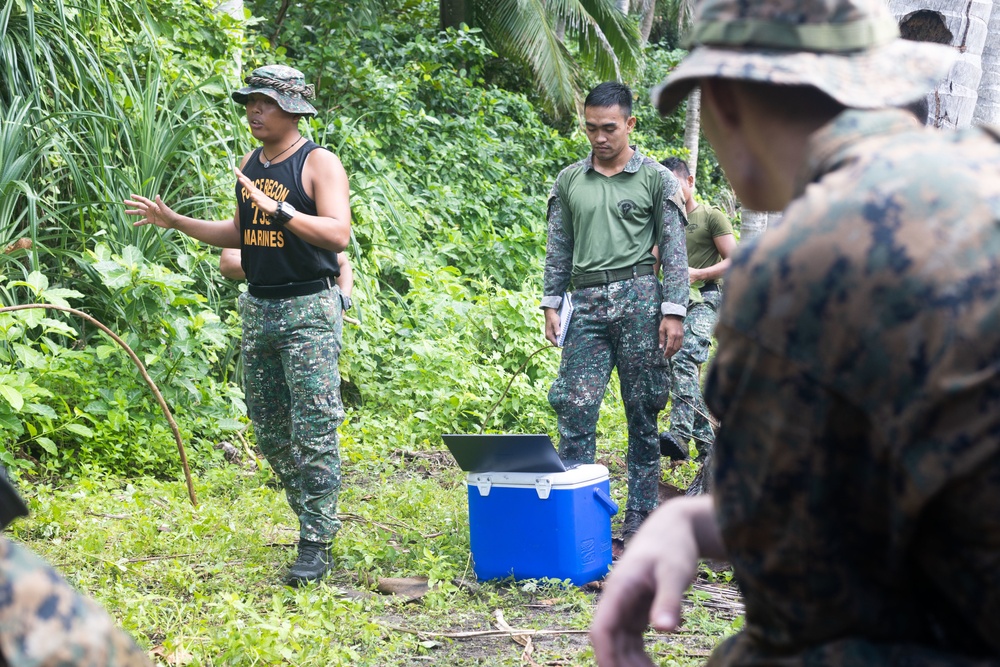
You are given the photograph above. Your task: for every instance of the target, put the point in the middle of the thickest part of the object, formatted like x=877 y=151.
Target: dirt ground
x=474 y=639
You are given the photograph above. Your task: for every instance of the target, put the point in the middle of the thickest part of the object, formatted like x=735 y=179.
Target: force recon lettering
x=275 y=191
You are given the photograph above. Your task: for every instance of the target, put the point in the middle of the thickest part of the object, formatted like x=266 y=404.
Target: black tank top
x=273 y=255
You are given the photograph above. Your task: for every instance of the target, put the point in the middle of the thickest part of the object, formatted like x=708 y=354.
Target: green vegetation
x=450 y=160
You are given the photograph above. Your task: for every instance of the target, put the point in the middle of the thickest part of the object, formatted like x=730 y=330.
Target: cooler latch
x=484 y=484
x=543 y=486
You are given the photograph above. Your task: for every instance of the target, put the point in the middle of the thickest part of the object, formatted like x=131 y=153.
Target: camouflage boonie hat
x=849 y=49
x=285 y=85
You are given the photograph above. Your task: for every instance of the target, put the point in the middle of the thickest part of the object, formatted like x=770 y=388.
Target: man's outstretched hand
x=648 y=583
x=153 y=211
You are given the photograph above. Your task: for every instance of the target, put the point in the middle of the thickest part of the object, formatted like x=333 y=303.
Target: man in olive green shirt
x=606 y=214
x=710 y=242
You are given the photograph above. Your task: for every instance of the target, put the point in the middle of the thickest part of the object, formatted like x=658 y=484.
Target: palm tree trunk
x=623 y=6
x=964 y=26
x=988 y=104
x=754 y=223
x=692 y=130
x=648 y=15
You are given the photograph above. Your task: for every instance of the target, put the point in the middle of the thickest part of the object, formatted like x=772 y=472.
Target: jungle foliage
x=450 y=161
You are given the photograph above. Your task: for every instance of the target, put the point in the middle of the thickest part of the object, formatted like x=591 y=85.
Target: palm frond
x=524 y=30
x=609 y=40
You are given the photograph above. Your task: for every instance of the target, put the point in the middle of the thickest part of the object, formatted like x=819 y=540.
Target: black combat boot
x=313 y=563
x=673 y=447
x=633 y=519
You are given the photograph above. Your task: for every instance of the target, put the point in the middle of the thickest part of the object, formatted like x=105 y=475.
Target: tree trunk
x=623 y=6
x=988 y=104
x=455 y=12
x=754 y=223
x=692 y=130
x=964 y=26
x=648 y=16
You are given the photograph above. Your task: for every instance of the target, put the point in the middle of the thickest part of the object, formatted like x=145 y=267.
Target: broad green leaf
x=41 y=410
x=132 y=256
x=12 y=396
x=229 y=425
x=29 y=356
x=59 y=296
x=47 y=444
x=80 y=429
x=38 y=281
x=58 y=326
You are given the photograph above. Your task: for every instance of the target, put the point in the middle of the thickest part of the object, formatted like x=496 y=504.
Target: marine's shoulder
x=578 y=167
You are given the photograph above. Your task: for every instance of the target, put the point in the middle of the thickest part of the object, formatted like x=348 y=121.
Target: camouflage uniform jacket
x=672 y=242
x=45 y=623
x=857 y=478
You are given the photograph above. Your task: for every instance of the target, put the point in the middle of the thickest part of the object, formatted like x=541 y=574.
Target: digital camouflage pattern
x=688 y=414
x=846 y=48
x=615 y=325
x=857 y=379
x=44 y=622
x=291 y=349
x=285 y=85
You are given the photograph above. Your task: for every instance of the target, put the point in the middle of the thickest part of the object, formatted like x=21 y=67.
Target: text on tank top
x=272 y=255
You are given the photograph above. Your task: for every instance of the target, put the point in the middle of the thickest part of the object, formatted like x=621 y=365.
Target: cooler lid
x=582 y=475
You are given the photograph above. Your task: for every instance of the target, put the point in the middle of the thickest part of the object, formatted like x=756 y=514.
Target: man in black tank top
x=293 y=216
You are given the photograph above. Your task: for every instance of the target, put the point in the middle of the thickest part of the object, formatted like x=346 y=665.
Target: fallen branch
x=108 y=516
x=472 y=634
x=142 y=370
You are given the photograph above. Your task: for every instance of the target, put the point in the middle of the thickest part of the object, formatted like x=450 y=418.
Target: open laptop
x=505 y=453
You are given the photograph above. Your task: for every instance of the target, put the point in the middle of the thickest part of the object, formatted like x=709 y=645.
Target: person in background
x=710 y=242
x=293 y=217
x=857 y=377
x=605 y=215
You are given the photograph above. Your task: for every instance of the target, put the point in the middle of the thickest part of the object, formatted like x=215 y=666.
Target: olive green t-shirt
x=704 y=224
x=614 y=221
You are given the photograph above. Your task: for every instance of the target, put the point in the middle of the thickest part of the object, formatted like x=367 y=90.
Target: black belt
x=614 y=275
x=710 y=287
x=289 y=289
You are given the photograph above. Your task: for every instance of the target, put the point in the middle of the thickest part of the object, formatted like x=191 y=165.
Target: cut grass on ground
x=201 y=586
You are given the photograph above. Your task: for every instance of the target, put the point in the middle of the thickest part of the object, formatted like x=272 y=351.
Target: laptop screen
x=504 y=453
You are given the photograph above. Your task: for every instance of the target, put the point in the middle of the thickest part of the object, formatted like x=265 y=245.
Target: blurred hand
x=647 y=585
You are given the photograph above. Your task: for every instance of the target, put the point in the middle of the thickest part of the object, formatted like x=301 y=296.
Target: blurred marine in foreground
x=44 y=622
x=857 y=474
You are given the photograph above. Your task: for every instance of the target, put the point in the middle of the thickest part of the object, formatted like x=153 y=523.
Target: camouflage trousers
x=687 y=407
x=44 y=621
x=290 y=352
x=614 y=326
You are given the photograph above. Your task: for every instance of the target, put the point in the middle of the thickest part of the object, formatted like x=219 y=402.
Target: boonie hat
x=285 y=85
x=849 y=49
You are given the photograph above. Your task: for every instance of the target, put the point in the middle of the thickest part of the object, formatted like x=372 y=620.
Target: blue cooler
x=541 y=525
